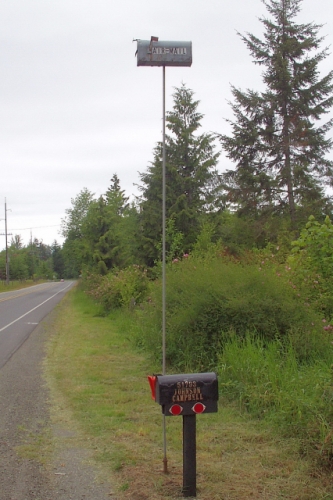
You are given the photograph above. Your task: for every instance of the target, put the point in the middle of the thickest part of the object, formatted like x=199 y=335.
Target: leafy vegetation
x=125 y=288
x=312 y=259
x=209 y=299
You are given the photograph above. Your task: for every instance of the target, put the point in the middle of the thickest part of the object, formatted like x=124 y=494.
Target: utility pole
x=6 y=236
x=7 y=261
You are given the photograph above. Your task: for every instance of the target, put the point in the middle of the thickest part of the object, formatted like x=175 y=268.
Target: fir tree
x=278 y=151
x=191 y=176
x=108 y=230
x=116 y=198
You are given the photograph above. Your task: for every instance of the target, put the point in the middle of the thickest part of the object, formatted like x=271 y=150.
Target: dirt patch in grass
x=99 y=382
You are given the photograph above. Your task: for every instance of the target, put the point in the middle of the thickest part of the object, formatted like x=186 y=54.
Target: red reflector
x=152 y=382
x=176 y=409
x=198 y=408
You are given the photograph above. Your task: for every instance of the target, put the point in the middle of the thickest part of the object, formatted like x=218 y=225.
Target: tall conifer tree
x=278 y=151
x=191 y=176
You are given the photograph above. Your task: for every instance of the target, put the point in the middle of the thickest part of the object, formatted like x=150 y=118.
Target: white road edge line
x=23 y=315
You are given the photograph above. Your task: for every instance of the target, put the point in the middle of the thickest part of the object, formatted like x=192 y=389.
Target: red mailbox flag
x=152 y=383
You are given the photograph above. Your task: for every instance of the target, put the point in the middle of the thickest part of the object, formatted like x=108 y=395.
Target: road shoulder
x=40 y=458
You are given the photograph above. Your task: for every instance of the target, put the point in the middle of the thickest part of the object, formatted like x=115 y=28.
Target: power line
x=35 y=227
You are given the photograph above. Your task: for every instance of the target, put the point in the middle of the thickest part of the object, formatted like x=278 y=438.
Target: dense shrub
x=311 y=264
x=90 y=281
x=118 y=289
x=209 y=298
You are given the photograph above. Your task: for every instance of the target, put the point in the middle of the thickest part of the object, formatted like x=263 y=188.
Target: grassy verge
x=101 y=382
x=17 y=285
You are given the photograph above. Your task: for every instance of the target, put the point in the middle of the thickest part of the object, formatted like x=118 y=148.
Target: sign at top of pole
x=157 y=53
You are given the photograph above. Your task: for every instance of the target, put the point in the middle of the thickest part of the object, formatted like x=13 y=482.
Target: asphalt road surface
x=65 y=472
x=21 y=311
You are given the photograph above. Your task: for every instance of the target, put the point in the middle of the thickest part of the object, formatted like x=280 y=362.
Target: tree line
x=34 y=261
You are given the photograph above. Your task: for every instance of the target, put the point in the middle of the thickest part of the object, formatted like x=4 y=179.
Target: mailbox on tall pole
x=157 y=53
x=154 y=52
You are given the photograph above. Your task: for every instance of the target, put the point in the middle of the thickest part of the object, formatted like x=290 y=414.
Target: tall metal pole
x=165 y=460
x=7 y=261
x=163 y=54
x=163 y=233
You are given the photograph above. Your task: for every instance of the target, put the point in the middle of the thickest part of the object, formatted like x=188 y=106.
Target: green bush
x=90 y=281
x=118 y=289
x=209 y=297
x=311 y=264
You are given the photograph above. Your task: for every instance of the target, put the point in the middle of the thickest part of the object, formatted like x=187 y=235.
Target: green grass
x=99 y=381
x=268 y=382
x=17 y=285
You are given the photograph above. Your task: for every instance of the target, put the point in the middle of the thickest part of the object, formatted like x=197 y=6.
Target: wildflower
x=175 y=260
x=185 y=255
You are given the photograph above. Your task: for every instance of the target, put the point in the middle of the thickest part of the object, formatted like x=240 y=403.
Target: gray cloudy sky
x=75 y=108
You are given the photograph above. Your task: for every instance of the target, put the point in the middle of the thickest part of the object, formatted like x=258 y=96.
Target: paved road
x=64 y=471
x=22 y=310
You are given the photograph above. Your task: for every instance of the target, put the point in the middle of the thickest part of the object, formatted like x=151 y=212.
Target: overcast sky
x=75 y=108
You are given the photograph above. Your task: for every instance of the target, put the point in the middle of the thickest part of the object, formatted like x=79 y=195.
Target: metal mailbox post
x=186 y=395
x=163 y=53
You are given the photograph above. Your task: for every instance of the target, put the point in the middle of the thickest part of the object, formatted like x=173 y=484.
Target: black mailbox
x=187 y=394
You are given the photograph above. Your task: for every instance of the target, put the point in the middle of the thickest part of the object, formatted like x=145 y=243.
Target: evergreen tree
x=191 y=176
x=18 y=268
x=108 y=230
x=16 y=242
x=94 y=228
x=115 y=197
x=58 y=263
x=71 y=225
x=279 y=152
x=74 y=251
x=123 y=226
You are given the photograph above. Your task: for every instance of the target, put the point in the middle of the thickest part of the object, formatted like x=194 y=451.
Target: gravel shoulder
x=40 y=459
